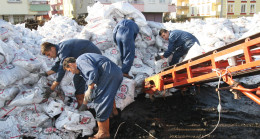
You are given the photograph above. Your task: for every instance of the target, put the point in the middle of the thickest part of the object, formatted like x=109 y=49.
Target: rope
x=136 y=125
x=118 y=129
x=219 y=99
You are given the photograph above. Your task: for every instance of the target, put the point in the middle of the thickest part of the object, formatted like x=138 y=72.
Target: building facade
x=56 y=7
x=16 y=11
x=152 y=9
x=223 y=8
x=182 y=9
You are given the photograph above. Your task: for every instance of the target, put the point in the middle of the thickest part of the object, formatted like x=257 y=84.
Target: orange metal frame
x=203 y=68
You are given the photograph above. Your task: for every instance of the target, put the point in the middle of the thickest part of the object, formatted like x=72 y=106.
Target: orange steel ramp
x=237 y=59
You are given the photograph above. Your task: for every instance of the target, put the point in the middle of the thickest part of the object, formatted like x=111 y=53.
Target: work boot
x=103 y=130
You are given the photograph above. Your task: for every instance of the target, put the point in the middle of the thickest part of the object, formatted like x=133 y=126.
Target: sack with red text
x=125 y=94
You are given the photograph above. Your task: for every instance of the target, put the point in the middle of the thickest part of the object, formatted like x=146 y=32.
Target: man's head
x=164 y=34
x=69 y=64
x=49 y=50
x=131 y=18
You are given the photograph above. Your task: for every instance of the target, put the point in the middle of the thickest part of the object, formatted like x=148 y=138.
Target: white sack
x=125 y=93
x=28 y=96
x=67 y=84
x=8 y=93
x=10 y=74
x=194 y=51
x=74 y=121
x=53 y=107
x=8 y=53
x=9 y=128
x=30 y=118
x=113 y=54
x=26 y=60
x=161 y=64
x=139 y=67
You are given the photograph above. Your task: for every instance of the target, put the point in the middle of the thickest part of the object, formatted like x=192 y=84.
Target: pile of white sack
x=23 y=109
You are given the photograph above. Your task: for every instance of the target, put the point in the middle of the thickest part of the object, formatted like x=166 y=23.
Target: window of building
x=192 y=10
x=243 y=0
x=162 y=1
x=208 y=9
x=18 y=19
x=14 y=0
x=243 y=8
x=6 y=18
x=252 y=8
x=230 y=8
x=198 y=10
x=151 y=1
x=252 y=0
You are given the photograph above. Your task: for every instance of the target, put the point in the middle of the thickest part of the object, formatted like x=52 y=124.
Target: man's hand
x=87 y=96
x=157 y=58
x=162 y=57
x=47 y=92
x=54 y=85
x=83 y=107
x=43 y=74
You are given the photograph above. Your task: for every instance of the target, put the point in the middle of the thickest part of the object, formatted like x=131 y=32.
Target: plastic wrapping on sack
x=30 y=80
x=43 y=82
x=9 y=128
x=71 y=102
x=161 y=43
x=150 y=40
x=194 y=51
x=113 y=54
x=7 y=52
x=46 y=63
x=28 y=96
x=67 y=84
x=157 y=25
x=139 y=67
x=128 y=9
x=26 y=60
x=74 y=121
x=53 y=133
x=8 y=93
x=59 y=28
x=98 y=12
x=5 y=33
x=30 y=118
x=125 y=94
x=13 y=110
x=161 y=64
x=103 y=39
x=53 y=107
x=149 y=60
x=10 y=74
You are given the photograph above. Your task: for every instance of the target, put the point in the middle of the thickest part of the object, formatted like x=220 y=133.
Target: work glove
x=158 y=57
x=83 y=107
x=87 y=96
x=43 y=74
x=47 y=92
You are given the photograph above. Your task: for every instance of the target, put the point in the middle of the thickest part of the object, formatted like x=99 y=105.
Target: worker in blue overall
x=124 y=35
x=179 y=43
x=68 y=48
x=103 y=78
